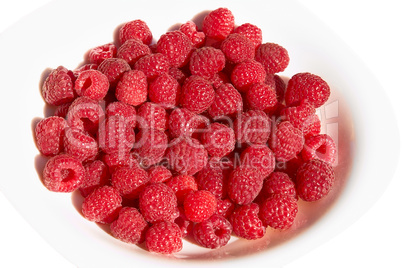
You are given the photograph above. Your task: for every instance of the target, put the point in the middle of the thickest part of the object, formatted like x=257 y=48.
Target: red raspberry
x=219 y=23
x=279 y=183
x=251 y=31
x=132 y=88
x=49 y=134
x=184 y=123
x=197 y=94
x=253 y=126
x=321 y=147
x=190 y=29
x=213 y=233
x=153 y=65
x=211 y=179
x=280 y=88
x=165 y=91
x=245 y=222
x=151 y=115
x=130 y=226
x=312 y=126
x=92 y=84
x=150 y=146
x=132 y=50
x=85 y=67
x=286 y=141
x=228 y=101
x=179 y=74
x=176 y=46
x=164 y=237
x=299 y=115
x=116 y=160
x=135 y=29
x=182 y=185
x=114 y=68
x=279 y=211
x=100 y=53
x=102 y=205
x=186 y=156
x=158 y=202
x=118 y=108
x=244 y=184
x=225 y=207
x=261 y=96
x=85 y=114
x=219 y=79
x=159 y=173
x=218 y=139
x=246 y=73
x=58 y=87
x=62 y=110
x=259 y=156
x=63 y=173
x=129 y=182
x=206 y=62
x=115 y=136
x=199 y=205
x=96 y=175
x=314 y=180
x=273 y=57
x=80 y=145
x=237 y=48
x=309 y=87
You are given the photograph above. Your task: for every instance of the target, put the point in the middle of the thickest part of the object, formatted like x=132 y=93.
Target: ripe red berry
x=80 y=145
x=190 y=29
x=92 y=84
x=320 y=147
x=153 y=65
x=219 y=23
x=150 y=146
x=182 y=185
x=115 y=136
x=58 y=87
x=176 y=46
x=246 y=223
x=261 y=96
x=251 y=31
x=286 y=141
x=133 y=50
x=96 y=175
x=98 y=54
x=213 y=233
x=237 y=48
x=164 y=237
x=135 y=29
x=253 y=126
x=132 y=88
x=218 y=139
x=184 y=123
x=279 y=183
x=273 y=57
x=114 y=68
x=227 y=102
x=259 y=156
x=152 y=116
x=206 y=62
x=197 y=94
x=159 y=173
x=124 y=110
x=49 y=134
x=165 y=91
x=130 y=226
x=246 y=73
x=211 y=178
x=245 y=183
x=199 y=205
x=129 y=182
x=279 y=211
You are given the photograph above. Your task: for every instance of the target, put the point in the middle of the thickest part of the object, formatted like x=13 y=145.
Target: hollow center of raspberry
x=321 y=151
x=219 y=232
x=87 y=84
x=67 y=174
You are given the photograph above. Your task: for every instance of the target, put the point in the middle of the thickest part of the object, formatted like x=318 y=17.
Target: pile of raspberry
x=194 y=135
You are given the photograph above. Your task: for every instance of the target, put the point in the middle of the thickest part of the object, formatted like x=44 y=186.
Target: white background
x=373 y=29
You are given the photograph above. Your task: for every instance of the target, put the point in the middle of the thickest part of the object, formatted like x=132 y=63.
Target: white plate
x=60 y=34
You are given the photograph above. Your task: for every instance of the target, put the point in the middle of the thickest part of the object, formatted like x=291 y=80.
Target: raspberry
x=179 y=74
x=183 y=123
x=182 y=185
x=49 y=134
x=244 y=184
x=129 y=182
x=132 y=88
x=135 y=29
x=92 y=84
x=219 y=23
x=118 y=108
x=211 y=179
x=309 y=87
x=176 y=46
x=191 y=31
x=158 y=202
x=299 y=115
x=63 y=173
x=115 y=136
x=85 y=67
x=280 y=88
x=245 y=222
x=218 y=139
x=102 y=205
x=225 y=207
x=273 y=57
x=279 y=183
x=117 y=159
x=278 y=211
x=80 y=145
x=165 y=91
x=197 y=94
x=151 y=115
x=253 y=126
x=251 y=31
x=186 y=156
x=320 y=147
x=286 y=141
x=130 y=226
x=85 y=114
x=98 y=54
x=314 y=180
x=227 y=101
x=219 y=79
x=164 y=237
x=259 y=156
x=96 y=175
x=58 y=87
x=237 y=48
x=246 y=73
x=114 y=68
x=132 y=50
x=62 y=110
x=199 y=205
x=150 y=146
x=159 y=173
x=206 y=62
x=213 y=233
x=153 y=65
x=261 y=96
x=312 y=126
